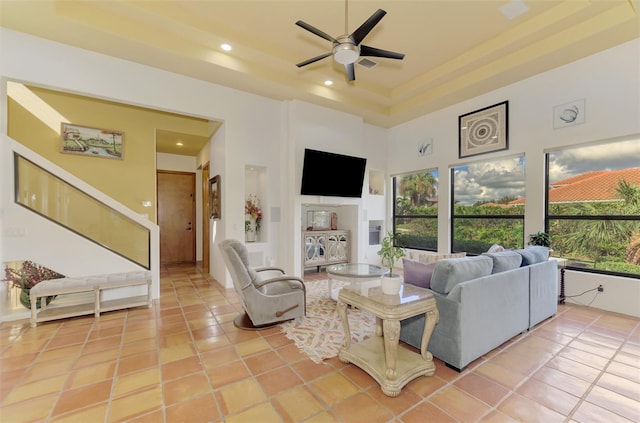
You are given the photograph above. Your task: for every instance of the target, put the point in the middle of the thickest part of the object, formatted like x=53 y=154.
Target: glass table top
x=357 y=270
x=408 y=294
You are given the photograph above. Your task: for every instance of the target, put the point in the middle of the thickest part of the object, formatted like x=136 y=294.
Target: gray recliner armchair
x=266 y=299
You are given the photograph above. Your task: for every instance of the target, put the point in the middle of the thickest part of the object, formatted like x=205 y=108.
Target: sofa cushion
x=450 y=272
x=504 y=260
x=533 y=254
x=416 y=273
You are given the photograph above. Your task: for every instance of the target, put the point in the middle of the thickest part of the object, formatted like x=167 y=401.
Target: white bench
x=96 y=284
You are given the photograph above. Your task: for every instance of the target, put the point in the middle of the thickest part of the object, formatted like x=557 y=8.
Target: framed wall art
x=215 y=196
x=91 y=142
x=568 y=114
x=425 y=148
x=484 y=131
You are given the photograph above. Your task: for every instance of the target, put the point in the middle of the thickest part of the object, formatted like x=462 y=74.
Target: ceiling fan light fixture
x=346 y=53
x=346 y=49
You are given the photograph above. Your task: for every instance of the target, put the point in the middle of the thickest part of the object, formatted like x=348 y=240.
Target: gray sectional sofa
x=484 y=301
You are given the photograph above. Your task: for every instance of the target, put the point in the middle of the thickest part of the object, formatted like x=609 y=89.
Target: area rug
x=320 y=333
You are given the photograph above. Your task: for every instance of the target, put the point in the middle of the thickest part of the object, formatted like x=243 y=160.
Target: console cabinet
x=322 y=248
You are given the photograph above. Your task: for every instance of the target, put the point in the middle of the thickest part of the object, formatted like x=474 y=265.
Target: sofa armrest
x=543 y=291
x=495 y=309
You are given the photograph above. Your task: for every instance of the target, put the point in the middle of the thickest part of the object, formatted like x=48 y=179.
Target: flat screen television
x=331 y=174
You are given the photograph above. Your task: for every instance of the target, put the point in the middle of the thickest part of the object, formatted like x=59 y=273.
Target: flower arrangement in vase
x=252 y=217
x=28 y=275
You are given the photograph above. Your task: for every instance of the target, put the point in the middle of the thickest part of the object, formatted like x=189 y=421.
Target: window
x=487 y=203
x=593 y=207
x=415 y=211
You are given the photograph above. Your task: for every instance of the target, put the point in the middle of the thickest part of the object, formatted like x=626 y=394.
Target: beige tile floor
x=184 y=361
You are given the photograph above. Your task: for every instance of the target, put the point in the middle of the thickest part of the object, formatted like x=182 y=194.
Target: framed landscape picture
x=484 y=131
x=91 y=142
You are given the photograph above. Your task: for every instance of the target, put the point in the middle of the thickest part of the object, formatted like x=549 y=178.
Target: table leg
x=342 y=313
x=391 y=333
x=431 y=317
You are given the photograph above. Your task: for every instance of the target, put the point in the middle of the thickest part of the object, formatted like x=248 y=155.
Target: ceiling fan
x=346 y=48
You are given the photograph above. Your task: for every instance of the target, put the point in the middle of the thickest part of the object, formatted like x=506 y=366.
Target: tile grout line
x=114 y=380
x=195 y=346
x=62 y=391
x=583 y=398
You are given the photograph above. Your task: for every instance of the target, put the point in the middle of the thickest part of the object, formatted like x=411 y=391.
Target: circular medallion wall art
x=483 y=131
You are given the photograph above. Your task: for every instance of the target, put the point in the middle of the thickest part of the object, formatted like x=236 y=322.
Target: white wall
x=610 y=84
x=329 y=130
x=621 y=295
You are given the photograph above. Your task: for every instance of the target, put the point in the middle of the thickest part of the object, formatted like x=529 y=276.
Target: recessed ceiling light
x=225 y=47
x=179 y=144
x=328 y=82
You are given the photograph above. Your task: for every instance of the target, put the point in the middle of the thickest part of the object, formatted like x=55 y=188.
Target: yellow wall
x=131 y=180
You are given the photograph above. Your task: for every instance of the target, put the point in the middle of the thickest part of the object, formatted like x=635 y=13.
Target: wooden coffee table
x=390 y=366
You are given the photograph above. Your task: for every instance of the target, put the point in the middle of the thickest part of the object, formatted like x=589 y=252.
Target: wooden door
x=176 y=216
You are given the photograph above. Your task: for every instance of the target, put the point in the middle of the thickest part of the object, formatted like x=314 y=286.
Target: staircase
x=54 y=218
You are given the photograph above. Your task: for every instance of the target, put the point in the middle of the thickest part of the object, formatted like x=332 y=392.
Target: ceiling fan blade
x=314 y=59
x=358 y=35
x=351 y=73
x=316 y=31
x=376 y=52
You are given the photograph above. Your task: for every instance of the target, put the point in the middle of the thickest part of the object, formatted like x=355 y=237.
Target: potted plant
x=26 y=276
x=389 y=254
x=540 y=238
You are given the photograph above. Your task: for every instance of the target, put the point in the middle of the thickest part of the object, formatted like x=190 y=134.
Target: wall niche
x=255 y=189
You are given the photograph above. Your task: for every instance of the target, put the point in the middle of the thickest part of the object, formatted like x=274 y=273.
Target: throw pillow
x=533 y=254
x=450 y=272
x=495 y=248
x=417 y=273
x=504 y=260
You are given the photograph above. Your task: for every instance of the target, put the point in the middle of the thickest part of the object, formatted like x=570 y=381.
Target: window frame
x=453 y=216
x=548 y=217
x=395 y=217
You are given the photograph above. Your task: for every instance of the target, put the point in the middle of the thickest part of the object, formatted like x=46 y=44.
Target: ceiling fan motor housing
x=345 y=51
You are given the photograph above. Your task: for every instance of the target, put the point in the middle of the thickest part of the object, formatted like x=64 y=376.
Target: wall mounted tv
x=331 y=174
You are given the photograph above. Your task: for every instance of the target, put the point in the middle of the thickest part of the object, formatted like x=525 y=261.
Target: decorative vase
x=250 y=229
x=391 y=284
x=25 y=298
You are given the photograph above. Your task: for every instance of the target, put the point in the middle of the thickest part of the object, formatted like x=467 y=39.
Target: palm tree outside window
x=415 y=212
